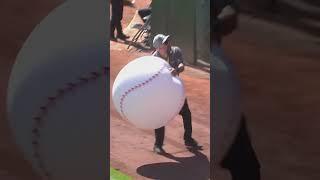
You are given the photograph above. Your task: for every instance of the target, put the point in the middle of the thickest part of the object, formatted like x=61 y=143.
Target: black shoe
x=158 y=150
x=112 y=38
x=123 y=36
x=191 y=142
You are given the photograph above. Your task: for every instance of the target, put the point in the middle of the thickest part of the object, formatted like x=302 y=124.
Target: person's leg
x=242 y=151
x=187 y=123
x=112 y=28
x=186 y=116
x=118 y=26
x=114 y=18
x=144 y=12
x=159 y=136
x=120 y=33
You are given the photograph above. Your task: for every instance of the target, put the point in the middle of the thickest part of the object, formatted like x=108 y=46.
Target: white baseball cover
x=146 y=94
x=56 y=98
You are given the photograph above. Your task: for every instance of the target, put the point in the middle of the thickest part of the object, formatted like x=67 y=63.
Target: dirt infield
x=131 y=148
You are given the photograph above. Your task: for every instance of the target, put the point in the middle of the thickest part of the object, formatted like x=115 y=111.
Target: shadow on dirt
x=187 y=168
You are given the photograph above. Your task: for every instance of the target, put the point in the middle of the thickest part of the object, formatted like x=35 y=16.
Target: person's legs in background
x=116 y=17
x=144 y=13
x=112 y=28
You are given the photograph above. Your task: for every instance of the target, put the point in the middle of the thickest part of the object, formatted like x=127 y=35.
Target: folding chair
x=145 y=28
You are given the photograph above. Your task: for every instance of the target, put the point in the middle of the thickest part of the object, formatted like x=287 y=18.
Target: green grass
x=117 y=175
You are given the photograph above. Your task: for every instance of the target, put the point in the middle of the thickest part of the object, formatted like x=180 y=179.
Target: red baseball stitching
x=39 y=119
x=142 y=84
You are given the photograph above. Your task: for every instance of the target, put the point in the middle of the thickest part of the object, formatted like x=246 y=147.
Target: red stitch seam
x=38 y=120
x=123 y=96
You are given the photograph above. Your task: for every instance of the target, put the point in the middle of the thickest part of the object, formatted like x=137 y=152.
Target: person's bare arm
x=177 y=71
x=179 y=60
x=180 y=68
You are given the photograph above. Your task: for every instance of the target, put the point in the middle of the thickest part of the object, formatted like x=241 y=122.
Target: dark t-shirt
x=174 y=57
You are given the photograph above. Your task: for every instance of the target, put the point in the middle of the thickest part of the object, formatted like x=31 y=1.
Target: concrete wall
x=177 y=19
x=202 y=37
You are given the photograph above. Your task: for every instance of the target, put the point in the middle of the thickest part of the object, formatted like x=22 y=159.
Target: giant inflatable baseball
x=57 y=92
x=146 y=94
